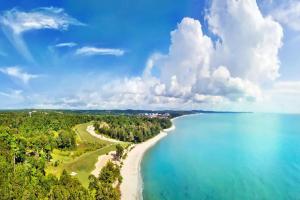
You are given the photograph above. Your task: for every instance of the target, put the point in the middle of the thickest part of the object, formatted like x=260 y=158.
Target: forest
x=130 y=128
x=28 y=138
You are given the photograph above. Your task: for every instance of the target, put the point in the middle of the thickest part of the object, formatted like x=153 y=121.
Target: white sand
x=91 y=130
x=131 y=186
x=102 y=160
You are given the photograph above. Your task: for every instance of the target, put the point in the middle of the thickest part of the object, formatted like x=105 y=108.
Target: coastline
x=131 y=186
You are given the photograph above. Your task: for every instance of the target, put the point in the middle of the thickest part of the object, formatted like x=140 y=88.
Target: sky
x=233 y=55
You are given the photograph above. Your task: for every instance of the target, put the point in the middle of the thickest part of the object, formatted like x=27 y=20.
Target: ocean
x=241 y=156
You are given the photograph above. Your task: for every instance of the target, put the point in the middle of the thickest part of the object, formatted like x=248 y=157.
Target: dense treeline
x=28 y=139
x=106 y=186
x=23 y=176
x=26 y=143
x=130 y=128
x=38 y=133
x=172 y=113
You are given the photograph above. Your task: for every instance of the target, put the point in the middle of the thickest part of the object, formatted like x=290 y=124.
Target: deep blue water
x=226 y=156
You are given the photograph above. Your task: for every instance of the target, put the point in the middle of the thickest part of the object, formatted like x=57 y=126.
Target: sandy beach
x=102 y=160
x=131 y=186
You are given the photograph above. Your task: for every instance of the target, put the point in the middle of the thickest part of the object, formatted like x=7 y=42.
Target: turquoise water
x=226 y=156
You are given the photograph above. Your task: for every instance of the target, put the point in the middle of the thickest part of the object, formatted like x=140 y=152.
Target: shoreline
x=132 y=185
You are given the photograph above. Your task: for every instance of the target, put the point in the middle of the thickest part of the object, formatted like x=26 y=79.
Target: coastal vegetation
x=130 y=128
x=106 y=186
x=119 y=151
x=50 y=155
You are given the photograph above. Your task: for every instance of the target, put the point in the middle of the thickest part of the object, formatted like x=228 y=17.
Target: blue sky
x=150 y=54
x=138 y=28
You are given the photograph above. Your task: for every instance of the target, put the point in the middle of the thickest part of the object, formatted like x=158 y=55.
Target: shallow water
x=226 y=156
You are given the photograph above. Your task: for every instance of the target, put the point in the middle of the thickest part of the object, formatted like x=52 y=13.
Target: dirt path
x=102 y=160
x=91 y=130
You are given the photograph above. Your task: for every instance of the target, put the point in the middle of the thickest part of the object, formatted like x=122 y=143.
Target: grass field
x=84 y=137
x=84 y=164
x=83 y=159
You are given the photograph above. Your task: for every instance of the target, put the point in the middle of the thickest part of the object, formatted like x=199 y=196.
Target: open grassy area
x=84 y=137
x=84 y=164
x=83 y=159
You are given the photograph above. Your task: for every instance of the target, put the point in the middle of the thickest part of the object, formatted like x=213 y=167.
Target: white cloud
x=18 y=73
x=198 y=70
x=91 y=51
x=41 y=18
x=288 y=14
x=66 y=44
x=282 y=97
x=15 y=22
x=249 y=42
x=188 y=58
x=222 y=84
x=186 y=72
x=286 y=87
x=13 y=94
x=11 y=99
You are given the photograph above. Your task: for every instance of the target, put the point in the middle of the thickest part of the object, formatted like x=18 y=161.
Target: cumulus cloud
x=15 y=22
x=199 y=70
x=188 y=58
x=288 y=14
x=18 y=73
x=221 y=83
x=248 y=42
x=91 y=51
x=233 y=68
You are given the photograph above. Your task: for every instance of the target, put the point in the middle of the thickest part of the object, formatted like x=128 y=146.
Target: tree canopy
x=130 y=128
x=27 y=141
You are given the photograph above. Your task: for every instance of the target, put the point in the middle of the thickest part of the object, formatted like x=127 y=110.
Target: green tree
x=66 y=139
x=119 y=151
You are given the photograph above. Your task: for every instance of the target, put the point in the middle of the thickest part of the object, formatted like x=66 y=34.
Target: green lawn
x=83 y=159
x=85 y=164
x=84 y=137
